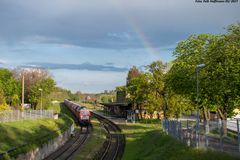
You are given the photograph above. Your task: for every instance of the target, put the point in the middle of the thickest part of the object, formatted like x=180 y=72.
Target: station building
x=121 y=107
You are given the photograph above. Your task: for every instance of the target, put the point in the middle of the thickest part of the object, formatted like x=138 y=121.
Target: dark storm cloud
x=108 y=23
x=83 y=66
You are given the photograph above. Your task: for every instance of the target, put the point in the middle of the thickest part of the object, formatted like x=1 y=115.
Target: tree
x=138 y=90
x=34 y=80
x=9 y=85
x=157 y=70
x=3 y=104
x=31 y=78
x=223 y=72
x=219 y=79
x=16 y=102
x=47 y=86
x=132 y=73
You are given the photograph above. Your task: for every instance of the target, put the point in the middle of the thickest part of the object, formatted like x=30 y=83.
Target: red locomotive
x=80 y=112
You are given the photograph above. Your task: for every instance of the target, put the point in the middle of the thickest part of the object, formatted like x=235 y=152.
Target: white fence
x=16 y=115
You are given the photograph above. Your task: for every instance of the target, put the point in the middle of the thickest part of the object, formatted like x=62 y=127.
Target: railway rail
x=115 y=144
x=67 y=151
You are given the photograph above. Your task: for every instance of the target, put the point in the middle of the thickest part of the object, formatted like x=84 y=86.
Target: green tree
x=132 y=73
x=138 y=91
x=3 y=104
x=223 y=72
x=157 y=70
x=47 y=86
x=9 y=85
x=218 y=80
x=16 y=102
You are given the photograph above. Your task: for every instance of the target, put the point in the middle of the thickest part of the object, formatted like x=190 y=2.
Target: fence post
x=188 y=137
x=162 y=125
x=196 y=135
x=221 y=133
x=180 y=130
x=238 y=135
x=168 y=127
x=206 y=132
x=177 y=129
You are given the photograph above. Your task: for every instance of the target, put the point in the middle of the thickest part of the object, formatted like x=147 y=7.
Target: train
x=80 y=112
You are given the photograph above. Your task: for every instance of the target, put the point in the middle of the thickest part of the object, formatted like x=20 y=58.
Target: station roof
x=112 y=104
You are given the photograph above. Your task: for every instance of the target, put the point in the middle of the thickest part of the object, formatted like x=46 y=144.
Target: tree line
x=171 y=87
x=35 y=80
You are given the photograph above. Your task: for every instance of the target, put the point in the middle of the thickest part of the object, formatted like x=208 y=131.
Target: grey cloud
x=111 y=24
x=82 y=66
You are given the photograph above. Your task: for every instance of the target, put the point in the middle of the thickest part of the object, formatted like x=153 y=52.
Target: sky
x=89 y=45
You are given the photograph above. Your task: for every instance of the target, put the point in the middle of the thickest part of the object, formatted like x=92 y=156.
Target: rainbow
x=149 y=47
x=147 y=44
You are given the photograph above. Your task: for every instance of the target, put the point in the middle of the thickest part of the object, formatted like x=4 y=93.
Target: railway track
x=114 y=146
x=67 y=151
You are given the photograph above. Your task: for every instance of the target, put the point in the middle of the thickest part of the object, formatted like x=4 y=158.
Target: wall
x=48 y=148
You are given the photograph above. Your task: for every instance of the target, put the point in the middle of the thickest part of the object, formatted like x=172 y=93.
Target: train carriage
x=81 y=113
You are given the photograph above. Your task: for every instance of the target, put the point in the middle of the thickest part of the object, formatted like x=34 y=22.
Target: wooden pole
x=22 y=92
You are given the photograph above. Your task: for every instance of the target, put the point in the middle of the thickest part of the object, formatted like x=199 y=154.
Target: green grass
x=32 y=133
x=149 y=143
x=94 y=143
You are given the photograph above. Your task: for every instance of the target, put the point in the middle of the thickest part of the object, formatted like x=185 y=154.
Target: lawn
x=32 y=133
x=148 y=142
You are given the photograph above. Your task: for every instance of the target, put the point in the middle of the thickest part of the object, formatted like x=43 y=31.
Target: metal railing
x=17 y=115
x=217 y=135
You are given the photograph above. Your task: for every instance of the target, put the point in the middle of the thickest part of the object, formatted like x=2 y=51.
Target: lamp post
x=40 y=89
x=198 y=114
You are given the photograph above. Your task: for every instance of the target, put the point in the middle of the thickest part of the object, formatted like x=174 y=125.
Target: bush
x=16 y=101
x=3 y=104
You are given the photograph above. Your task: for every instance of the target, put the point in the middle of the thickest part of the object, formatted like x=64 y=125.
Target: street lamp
x=40 y=89
x=198 y=116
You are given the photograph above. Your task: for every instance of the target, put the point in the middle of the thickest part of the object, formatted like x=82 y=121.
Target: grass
x=148 y=142
x=28 y=134
x=94 y=143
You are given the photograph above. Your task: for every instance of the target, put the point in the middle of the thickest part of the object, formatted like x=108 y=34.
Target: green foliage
x=8 y=84
x=106 y=98
x=146 y=90
x=47 y=86
x=3 y=104
x=121 y=88
x=132 y=73
x=139 y=88
x=219 y=80
x=16 y=102
x=73 y=97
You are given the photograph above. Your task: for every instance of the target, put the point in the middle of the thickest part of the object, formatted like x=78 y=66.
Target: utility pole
x=23 y=92
x=40 y=89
